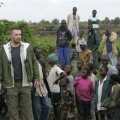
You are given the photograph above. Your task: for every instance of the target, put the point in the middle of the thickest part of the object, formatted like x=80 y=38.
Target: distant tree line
x=105 y=21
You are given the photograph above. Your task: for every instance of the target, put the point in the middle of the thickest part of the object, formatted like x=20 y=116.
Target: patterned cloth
x=86 y=56
x=67 y=104
x=115 y=114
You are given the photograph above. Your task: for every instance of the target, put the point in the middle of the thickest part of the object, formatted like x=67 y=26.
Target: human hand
x=36 y=84
x=56 y=82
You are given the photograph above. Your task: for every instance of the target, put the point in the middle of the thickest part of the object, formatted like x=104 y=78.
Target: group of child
x=81 y=89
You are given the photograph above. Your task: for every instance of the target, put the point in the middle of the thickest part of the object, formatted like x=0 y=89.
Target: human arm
x=91 y=89
x=76 y=83
x=113 y=37
x=36 y=77
x=69 y=35
x=62 y=75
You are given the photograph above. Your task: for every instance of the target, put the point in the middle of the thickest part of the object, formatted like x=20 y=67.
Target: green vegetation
x=43 y=34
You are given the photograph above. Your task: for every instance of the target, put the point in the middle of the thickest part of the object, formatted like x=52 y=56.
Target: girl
x=85 y=92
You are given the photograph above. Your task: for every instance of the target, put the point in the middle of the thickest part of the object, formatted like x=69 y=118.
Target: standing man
x=94 y=20
x=18 y=69
x=109 y=39
x=64 y=36
x=93 y=44
x=73 y=22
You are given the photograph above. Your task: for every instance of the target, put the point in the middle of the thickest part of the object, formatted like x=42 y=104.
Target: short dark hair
x=15 y=28
x=94 y=10
x=75 y=8
x=85 y=67
x=35 y=48
x=105 y=67
x=73 y=45
x=114 y=77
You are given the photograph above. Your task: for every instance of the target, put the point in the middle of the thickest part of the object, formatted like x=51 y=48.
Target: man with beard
x=18 y=69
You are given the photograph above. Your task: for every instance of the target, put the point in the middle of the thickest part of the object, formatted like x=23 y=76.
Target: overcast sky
x=37 y=10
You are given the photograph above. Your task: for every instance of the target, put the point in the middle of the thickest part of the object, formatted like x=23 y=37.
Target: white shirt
x=77 y=42
x=99 y=107
x=94 y=19
x=53 y=75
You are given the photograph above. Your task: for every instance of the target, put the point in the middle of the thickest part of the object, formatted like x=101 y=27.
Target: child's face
x=118 y=66
x=82 y=47
x=38 y=53
x=79 y=64
x=81 y=34
x=63 y=83
x=68 y=68
x=103 y=72
x=84 y=73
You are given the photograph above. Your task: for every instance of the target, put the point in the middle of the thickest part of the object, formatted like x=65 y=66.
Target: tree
x=106 y=21
x=55 y=21
x=117 y=21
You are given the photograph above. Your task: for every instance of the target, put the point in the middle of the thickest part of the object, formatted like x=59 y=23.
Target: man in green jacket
x=18 y=70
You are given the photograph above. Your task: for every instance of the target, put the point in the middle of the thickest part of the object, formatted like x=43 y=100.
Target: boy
x=54 y=76
x=85 y=55
x=67 y=104
x=40 y=102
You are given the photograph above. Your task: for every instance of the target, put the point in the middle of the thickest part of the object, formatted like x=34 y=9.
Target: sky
x=37 y=10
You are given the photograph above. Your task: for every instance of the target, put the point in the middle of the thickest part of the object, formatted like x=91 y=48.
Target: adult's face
x=63 y=23
x=94 y=12
x=16 y=36
x=109 y=29
x=74 y=10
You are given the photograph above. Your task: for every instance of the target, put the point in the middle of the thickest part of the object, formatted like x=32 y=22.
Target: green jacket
x=113 y=103
x=29 y=65
x=105 y=89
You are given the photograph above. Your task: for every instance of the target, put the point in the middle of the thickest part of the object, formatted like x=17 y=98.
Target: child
x=73 y=56
x=102 y=87
x=78 y=72
x=114 y=104
x=85 y=93
x=67 y=104
x=68 y=70
x=54 y=76
x=40 y=102
x=93 y=79
x=77 y=41
x=85 y=54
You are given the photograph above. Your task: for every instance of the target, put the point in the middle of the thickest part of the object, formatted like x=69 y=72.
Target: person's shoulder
x=113 y=33
x=25 y=44
x=77 y=15
x=70 y=14
x=89 y=51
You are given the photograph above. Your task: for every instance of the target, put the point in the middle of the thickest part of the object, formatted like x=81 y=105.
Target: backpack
x=62 y=38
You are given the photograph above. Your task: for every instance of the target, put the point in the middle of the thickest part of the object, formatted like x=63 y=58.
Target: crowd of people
x=78 y=80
